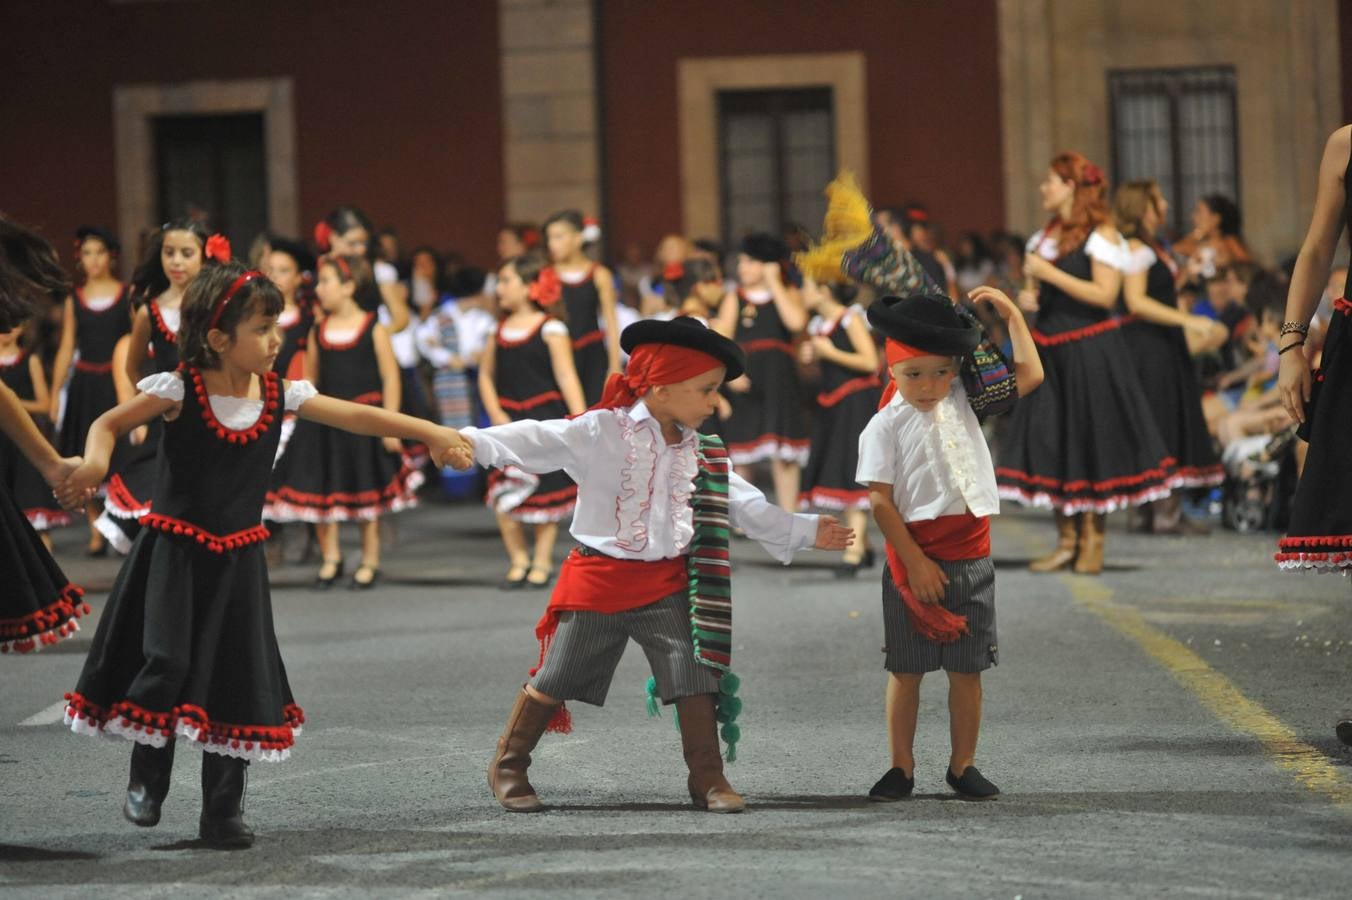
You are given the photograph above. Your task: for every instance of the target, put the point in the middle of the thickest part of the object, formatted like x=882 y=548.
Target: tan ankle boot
x=699 y=739
x=1090 y=558
x=507 y=773
x=1064 y=554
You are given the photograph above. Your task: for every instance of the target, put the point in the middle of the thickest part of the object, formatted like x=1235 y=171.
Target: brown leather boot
x=1090 y=558
x=1064 y=554
x=699 y=739
x=507 y=773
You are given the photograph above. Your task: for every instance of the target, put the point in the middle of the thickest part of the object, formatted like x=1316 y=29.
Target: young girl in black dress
x=1086 y=443
x=21 y=372
x=326 y=476
x=39 y=605
x=764 y=315
x=96 y=315
x=589 y=298
x=1156 y=331
x=185 y=646
x=841 y=345
x=527 y=372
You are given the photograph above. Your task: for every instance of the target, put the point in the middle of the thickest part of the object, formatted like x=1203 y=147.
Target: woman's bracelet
x=1290 y=347
x=1294 y=328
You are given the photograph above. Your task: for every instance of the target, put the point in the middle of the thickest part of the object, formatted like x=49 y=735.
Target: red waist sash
x=949 y=538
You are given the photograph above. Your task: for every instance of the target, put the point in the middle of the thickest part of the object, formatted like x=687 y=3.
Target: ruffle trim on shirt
x=1139 y=259
x=681 y=487
x=952 y=446
x=636 y=484
x=125 y=719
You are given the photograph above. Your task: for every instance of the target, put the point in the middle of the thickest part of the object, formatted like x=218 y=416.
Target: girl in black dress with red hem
x=841 y=344
x=39 y=605
x=173 y=259
x=1156 y=332
x=96 y=315
x=328 y=476
x=21 y=372
x=589 y=298
x=1086 y=443
x=764 y=315
x=527 y=372
x=185 y=646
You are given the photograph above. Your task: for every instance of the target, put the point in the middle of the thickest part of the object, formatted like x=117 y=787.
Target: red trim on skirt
x=1075 y=334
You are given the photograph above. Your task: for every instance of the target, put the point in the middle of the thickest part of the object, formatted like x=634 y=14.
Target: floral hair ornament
x=323 y=235
x=673 y=271
x=547 y=287
x=230 y=292
x=1092 y=174
x=591 y=230
x=218 y=248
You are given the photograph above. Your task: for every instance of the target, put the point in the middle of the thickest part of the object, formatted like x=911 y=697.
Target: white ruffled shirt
x=1097 y=247
x=236 y=413
x=633 y=488
x=937 y=461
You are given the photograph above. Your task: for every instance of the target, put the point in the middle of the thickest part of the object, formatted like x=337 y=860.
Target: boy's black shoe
x=892 y=787
x=972 y=785
x=1344 y=728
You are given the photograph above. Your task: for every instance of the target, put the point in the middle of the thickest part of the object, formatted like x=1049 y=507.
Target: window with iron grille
x=1178 y=127
x=776 y=153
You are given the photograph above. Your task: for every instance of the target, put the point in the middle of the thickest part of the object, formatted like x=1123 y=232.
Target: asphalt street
x=1164 y=730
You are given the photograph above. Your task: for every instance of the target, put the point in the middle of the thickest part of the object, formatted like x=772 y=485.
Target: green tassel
x=728 y=684
x=654 y=707
x=731 y=735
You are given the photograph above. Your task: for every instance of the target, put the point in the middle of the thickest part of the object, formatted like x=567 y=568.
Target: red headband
x=342 y=266
x=651 y=365
x=230 y=292
x=896 y=352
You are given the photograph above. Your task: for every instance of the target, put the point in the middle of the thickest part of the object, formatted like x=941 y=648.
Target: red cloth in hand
x=948 y=538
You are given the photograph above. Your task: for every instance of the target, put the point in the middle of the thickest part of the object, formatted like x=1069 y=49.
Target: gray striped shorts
x=970 y=593
x=587 y=647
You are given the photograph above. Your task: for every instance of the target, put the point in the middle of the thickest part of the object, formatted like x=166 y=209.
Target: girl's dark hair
x=199 y=304
x=1228 y=210
x=345 y=218
x=980 y=252
x=100 y=234
x=355 y=270
x=695 y=270
x=149 y=280
x=529 y=266
x=570 y=216
x=844 y=292
x=468 y=281
x=304 y=259
x=30 y=274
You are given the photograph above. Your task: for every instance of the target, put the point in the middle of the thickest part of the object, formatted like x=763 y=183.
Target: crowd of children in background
x=437 y=319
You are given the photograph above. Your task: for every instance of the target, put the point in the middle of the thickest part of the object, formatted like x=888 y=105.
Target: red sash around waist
x=949 y=538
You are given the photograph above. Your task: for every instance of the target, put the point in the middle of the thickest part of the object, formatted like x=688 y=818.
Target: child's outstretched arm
x=1028 y=372
x=103 y=435
x=781 y=533
x=18 y=425
x=537 y=446
x=926 y=579
x=446 y=444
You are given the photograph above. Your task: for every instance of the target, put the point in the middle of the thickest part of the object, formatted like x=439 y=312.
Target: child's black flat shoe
x=892 y=787
x=972 y=785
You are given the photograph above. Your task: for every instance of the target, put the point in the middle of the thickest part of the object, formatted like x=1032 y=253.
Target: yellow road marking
x=1217 y=693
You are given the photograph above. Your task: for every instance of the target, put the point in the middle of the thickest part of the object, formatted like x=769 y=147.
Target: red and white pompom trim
x=44 y=627
x=1331 y=554
x=261 y=743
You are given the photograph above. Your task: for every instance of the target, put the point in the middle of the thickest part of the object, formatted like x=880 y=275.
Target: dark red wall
x=397 y=104
x=933 y=82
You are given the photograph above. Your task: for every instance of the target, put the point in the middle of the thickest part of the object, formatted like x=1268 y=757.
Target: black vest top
x=763 y=329
x=294 y=338
x=211 y=480
x=583 y=303
x=163 y=342
x=350 y=370
x=17 y=377
x=98 y=330
x=524 y=369
x=1058 y=310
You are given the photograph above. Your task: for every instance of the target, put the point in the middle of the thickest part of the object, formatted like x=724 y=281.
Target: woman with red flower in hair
x=527 y=372
x=1087 y=443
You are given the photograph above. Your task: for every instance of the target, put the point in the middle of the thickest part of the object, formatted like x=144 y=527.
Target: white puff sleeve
x=297 y=392
x=1140 y=259
x=165 y=385
x=1108 y=252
